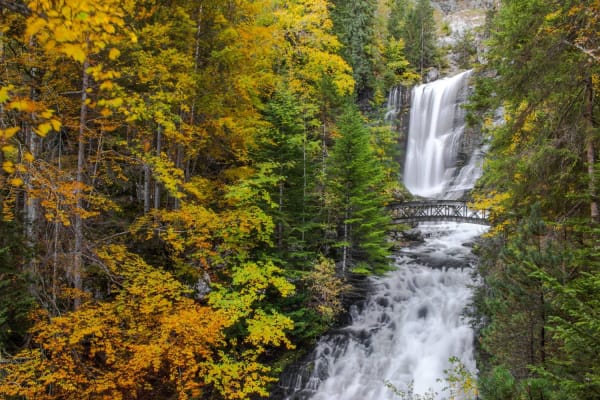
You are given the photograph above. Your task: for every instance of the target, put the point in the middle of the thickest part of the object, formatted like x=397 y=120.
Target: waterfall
x=394 y=103
x=414 y=320
x=405 y=334
x=436 y=126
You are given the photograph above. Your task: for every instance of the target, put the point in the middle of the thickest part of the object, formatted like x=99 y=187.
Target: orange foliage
x=151 y=338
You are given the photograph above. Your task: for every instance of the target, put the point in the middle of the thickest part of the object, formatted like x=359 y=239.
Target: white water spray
x=436 y=126
x=414 y=320
x=413 y=323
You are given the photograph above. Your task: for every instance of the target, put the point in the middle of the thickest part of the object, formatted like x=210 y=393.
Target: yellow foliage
x=5 y=93
x=16 y=182
x=151 y=337
x=8 y=133
x=497 y=204
x=23 y=104
x=269 y=330
x=43 y=129
x=493 y=201
x=326 y=289
x=114 y=53
x=8 y=166
x=308 y=45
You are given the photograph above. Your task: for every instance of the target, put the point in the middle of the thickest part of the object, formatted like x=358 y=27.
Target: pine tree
x=354 y=24
x=15 y=300
x=356 y=198
x=411 y=24
x=287 y=145
x=542 y=290
x=395 y=23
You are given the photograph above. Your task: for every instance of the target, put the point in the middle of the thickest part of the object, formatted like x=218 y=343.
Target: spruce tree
x=542 y=300
x=418 y=32
x=354 y=24
x=16 y=302
x=397 y=18
x=356 y=200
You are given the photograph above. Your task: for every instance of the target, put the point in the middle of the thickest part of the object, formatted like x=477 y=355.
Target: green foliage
x=357 y=197
x=397 y=20
x=540 y=262
x=498 y=384
x=464 y=49
x=518 y=302
x=288 y=144
x=354 y=23
x=15 y=300
x=575 y=369
x=398 y=69
x=418 y=30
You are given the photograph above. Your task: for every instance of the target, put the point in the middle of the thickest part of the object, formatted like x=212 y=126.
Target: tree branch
x=15 y=6
x=592 y=53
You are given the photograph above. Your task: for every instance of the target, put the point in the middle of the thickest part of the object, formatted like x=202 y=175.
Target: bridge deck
x=437 y=210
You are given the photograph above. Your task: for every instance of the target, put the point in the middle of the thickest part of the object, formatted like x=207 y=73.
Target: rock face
x=462 y=30
x=452 y=6
x=461 y=26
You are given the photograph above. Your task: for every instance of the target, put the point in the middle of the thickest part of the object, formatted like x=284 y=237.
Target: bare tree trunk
x=304 y=183
x=590 y=151
x=422 y=61
x=78 y=226
x=346 y=236
x=324 y=151
x=543 y=327
x=156 y=183
x=31 y=203
x=179 y=163
x=147 y=180
x=280 y=223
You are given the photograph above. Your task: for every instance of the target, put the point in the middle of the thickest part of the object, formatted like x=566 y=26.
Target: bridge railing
x=437 y=210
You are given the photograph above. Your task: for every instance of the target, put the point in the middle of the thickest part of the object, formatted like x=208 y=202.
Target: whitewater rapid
x=415 y=319
x=412 y=324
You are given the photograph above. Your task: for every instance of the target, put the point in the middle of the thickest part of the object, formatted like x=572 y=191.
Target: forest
x=192 y=191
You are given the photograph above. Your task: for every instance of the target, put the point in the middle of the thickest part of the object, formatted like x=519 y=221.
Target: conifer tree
x=542 y=292
x=418 y=33
x=397 y=17
x=288 y=145
x=354 y=24
x=356 y=198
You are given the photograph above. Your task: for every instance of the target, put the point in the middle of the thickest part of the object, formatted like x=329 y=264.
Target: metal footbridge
x=436 y=210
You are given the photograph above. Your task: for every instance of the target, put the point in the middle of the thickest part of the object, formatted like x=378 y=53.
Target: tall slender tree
x=354 y=24
x=357 y=198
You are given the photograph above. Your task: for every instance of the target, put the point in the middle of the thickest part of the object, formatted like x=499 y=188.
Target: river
x=415 y=319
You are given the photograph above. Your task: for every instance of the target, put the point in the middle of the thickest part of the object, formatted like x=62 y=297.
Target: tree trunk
x=304 y=184
x=345 y=247
x=147 y=179
x=280 y=222
x=590 y=151
x=156 y=183
x=30 y=203
x=180 y=164
x=78 y=225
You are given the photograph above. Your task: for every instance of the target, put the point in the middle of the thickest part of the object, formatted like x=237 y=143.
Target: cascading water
x=414 y=320
x=436 y=126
